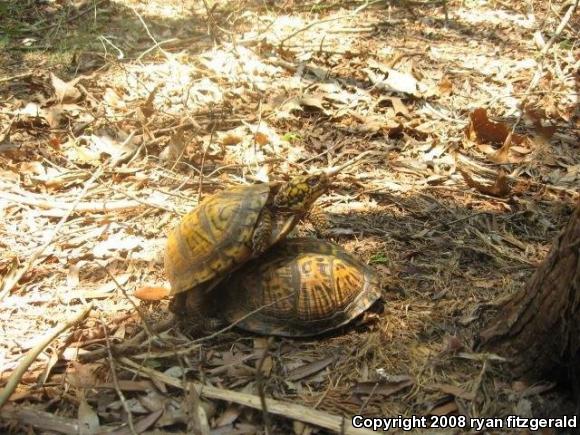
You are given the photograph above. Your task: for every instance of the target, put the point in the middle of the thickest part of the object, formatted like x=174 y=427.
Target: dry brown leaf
x=481 y=129
x=231 y=138
x=313 y=104
x=399 y=107
x=82 y=375
x=140 y=425
x=445 y=86
x=229 y=416
x=500 y=188
x=385 y=387
x=310 y=368
x=151 y=293
x=261 y=138
x=65 y=91
x=147 y=108
x=538 y=117
x=453 y=344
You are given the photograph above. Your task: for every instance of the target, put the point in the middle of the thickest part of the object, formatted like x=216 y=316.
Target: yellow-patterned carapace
x=300 y=287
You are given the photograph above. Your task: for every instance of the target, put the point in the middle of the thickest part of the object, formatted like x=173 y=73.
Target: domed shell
x=300 y=287
x=215 y=237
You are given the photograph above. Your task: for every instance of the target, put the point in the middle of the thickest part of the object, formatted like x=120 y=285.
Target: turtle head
x=299 y=193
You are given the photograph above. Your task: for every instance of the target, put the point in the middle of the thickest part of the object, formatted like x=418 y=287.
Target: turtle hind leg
x=262 y=233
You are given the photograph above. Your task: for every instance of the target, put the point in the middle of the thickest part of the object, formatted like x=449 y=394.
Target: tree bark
x=538 y=330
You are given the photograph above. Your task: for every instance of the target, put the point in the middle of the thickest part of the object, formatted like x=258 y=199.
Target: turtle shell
x=215 y=237
x=300 y=287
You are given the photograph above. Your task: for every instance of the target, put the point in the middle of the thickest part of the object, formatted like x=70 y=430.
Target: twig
x=202 y=164
x=31 y=355
x=261 y=392
x=11 y=281
x=40 y=419
x=284 y=409
x=165 y=53
x=315 y=23
x=116 y=380
x=143 y=201
x=127 y=346
x=198 y=423
x=194 y=344
x=135 y=307
x=560 y=28
x=15 y=77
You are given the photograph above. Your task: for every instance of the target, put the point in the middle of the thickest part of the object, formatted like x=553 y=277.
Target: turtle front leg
x=177 y=305
x=196 y=311
x=262 y=233
x=190 y=310
x=319 y=220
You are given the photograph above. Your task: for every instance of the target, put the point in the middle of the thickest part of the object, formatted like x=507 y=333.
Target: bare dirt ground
x=117 y=116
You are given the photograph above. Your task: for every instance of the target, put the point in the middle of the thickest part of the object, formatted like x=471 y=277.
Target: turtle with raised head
x=230 y=228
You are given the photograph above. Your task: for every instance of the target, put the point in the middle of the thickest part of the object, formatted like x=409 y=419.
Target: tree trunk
x=538 y=330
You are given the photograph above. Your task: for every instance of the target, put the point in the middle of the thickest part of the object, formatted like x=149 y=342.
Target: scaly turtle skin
x=301 y=287
x=226 y=230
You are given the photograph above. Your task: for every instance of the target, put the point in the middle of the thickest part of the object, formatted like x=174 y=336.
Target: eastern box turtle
x=300 y=287
x=229 y=228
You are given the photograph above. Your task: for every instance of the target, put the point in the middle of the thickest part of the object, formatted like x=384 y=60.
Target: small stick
x=165 y=53
x=315 y=23
x=31 y=355
x=15 y=77
x=116 y=380
x=336 y=169
x=260 y=382
x=135 y=307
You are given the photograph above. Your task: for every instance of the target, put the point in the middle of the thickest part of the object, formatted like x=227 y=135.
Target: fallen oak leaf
x=481 y=129
x=537 y=116
x=500 y=188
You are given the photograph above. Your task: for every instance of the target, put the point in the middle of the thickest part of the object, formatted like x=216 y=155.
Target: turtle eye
x=313 y=181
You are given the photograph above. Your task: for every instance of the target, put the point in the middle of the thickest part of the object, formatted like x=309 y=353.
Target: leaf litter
x=458 y=205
